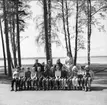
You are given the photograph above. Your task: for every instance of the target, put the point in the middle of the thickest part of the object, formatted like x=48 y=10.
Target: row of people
x=52 y=77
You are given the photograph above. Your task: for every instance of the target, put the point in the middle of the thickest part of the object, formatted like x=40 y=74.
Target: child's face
x=45 y=68
x=28 y=69
x=33 y=68
x=87 y=69
x=39 y=68
x=58 y=61
x=36 y=61
x=49 y=62
x=22 y=69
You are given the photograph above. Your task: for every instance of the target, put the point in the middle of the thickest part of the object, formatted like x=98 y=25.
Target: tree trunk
x=76 y=31
x=46 y=29
x=89 y=29
x=63 y=18
x=67 y=23
x=7 y=37
x=18 y=34
x=3 y=46
x=49 y=29
x=11 y=61
x=14 y=42
x=11 y=33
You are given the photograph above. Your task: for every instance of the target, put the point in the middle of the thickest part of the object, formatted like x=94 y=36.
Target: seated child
x=57 y=77
x=75 y=77
x=64 y=75
x=80 y=78
x=33 y=78
x=46 y=78
x=22 y=79
x=39 y=78
x=28 y=78
x=15 y=79
x=88 y=77
x=52 y=78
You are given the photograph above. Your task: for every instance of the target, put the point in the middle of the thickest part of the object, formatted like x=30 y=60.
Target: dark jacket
x=36 y=65
x=60 y=66
x=64 y=74
x=28 y=74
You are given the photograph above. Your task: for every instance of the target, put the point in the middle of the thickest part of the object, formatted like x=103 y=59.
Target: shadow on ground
x=4 y=79
x=98 y=88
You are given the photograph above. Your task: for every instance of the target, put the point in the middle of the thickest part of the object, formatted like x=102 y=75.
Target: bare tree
x=76 y=31
x=64 y=26
x=18 y=33
x=3 y=46
x=6 y=36
x=46 y=29
x=68 y=30
x=89 y=29
x=49 y=30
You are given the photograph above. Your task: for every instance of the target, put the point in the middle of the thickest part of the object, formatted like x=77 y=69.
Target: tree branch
x=99 y=10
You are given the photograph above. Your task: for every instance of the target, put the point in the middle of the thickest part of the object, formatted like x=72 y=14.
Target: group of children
x=48 y=77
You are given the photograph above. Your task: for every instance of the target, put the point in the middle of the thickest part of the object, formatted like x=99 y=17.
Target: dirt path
x=96 y=97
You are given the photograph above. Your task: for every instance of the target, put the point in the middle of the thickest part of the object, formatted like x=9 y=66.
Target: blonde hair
x=74 y=68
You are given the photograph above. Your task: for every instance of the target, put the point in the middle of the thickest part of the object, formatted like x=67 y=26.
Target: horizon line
x=53 y=57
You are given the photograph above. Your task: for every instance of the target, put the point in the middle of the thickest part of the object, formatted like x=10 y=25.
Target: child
x=28 y=78
x=80 y=78
x=57 y=76
x=75 y=77
x=33 y=78
x=64 y=75
x=88 y=77
x=52 y=78
x=15 y=79
x=39 y=78
x=44 y=77
x=22 y=79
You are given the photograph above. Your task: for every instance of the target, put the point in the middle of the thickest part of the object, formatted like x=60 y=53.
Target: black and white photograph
x=53 y=52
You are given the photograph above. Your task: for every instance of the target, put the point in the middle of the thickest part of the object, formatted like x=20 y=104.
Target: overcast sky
x=30 y=49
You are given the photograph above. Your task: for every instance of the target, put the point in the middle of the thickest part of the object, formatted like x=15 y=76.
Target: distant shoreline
x=77 y=63
x=54 y=57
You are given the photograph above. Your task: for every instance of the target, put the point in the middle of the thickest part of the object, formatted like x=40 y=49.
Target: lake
x=94 y=59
